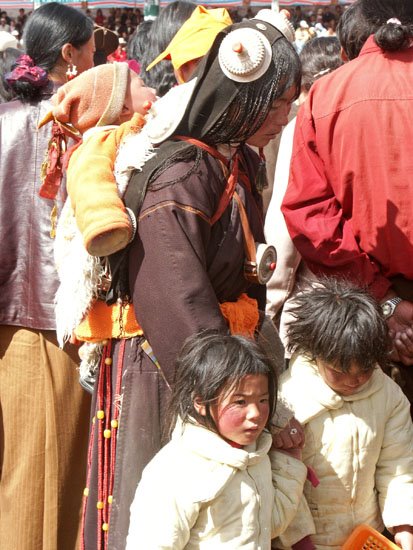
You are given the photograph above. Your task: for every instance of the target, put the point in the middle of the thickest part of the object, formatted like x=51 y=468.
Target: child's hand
x=290 y=437
x=403 y=536
x=290 y=440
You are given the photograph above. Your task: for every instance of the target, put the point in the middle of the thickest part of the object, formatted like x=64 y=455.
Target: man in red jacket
x=349 y=203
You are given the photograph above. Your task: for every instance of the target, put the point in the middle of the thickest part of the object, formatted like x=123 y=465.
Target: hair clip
x=393 y=21
x=320 y=73
x=27 y=71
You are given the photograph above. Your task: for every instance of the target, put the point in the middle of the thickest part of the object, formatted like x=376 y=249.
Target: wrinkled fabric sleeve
x=394 y=471
x=301 y=526
x=91 y=186
x=172 y=293
x=288 y=475
x=280 y=285
x=159 y=523
x=314 y=217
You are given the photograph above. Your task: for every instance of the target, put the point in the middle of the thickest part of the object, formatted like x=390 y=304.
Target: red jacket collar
x=370 y=46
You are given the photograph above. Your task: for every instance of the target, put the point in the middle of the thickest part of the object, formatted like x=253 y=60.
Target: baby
x=91 y=105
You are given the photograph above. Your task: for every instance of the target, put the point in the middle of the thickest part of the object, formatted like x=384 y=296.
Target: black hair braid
x=250 y=105
x=192 y=153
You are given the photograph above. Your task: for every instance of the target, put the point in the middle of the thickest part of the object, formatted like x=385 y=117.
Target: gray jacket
x=28 y=279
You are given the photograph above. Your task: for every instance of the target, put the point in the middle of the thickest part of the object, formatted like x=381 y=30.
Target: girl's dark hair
x=138 y=43
x=318 y=57
x=353 y=29
x=210 y=364
x=390 y=36
x=7 y=61
x=166 y=25
x=47 y=30
x=248 y=111
x=340 y=324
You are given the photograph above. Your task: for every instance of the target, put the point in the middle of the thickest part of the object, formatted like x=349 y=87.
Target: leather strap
x=249 y=242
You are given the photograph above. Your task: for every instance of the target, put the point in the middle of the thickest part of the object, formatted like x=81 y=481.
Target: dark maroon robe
x=180 y=268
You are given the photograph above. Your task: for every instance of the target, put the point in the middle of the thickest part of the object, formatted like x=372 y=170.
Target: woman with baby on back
x=192 y=263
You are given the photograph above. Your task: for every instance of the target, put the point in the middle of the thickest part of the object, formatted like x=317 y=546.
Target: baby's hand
x=403 y=536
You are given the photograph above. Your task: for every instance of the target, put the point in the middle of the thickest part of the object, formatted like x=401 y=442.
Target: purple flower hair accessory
x=27 y=71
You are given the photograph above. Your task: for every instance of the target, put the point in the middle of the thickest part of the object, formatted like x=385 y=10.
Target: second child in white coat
x=356 y=419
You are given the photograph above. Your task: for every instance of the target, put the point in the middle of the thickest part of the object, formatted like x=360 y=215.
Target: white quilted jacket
x=199 y=492
x=361 y=448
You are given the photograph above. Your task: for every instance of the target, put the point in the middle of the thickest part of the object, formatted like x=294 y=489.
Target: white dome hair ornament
x=194 y=107
x=245 y=54
x=280 y=20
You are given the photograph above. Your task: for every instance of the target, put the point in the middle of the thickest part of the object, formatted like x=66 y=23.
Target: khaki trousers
x=44 y=418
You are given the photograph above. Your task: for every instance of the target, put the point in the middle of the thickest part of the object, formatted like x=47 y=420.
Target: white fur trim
x=90 y=355
x=79 y=275
x=133 y=153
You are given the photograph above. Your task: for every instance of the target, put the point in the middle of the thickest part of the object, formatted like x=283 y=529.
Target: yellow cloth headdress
x=195 y=37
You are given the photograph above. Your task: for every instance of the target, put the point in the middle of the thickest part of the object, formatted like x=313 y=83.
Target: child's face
x=241 y=415
x=137 y=94
x=344 y=383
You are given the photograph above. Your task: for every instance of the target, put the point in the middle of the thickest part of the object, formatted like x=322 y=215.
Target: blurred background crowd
x=309 y=22
x=130 y=29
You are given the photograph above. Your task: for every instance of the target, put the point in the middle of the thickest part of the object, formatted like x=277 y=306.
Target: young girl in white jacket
x=217 y=484
x=357 y=424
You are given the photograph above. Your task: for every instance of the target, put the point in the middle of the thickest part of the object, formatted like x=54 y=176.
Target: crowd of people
x=184 y=363
x=307 y=22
